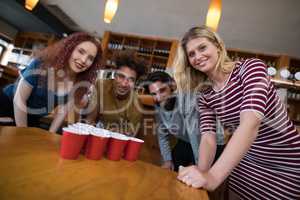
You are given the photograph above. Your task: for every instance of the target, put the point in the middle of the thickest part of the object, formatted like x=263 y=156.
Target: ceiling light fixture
x=30 y=4
x=214 y=14
x=110 y=10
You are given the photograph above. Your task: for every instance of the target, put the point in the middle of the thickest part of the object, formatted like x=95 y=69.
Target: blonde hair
x=188 y=78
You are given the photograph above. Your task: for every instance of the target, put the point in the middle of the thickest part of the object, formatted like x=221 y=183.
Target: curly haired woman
x=58 y=75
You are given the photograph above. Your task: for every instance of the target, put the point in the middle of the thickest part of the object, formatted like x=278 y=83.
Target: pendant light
x=110 y=10
x=30 y=4
x=214 y=14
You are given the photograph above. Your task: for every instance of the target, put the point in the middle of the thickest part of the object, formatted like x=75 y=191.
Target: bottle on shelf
x=297 y=76
x=272 y=71
x=158 y=52
x=115 y=45
x=285 y=73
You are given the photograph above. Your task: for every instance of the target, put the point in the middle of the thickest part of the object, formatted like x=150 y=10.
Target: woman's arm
x=207 y=151
x=59 y=116
x=20 y=106
x=237 y=147
x=235 y=150
x=207 y=128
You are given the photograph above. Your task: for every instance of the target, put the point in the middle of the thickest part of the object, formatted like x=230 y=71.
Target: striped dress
x=271 y=167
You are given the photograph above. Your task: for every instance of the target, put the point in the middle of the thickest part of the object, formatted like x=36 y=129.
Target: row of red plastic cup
x=94 y=142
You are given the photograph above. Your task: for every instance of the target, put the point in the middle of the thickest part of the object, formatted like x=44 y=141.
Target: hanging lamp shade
x=30 y=4
x=111 y=7
x=214 y=14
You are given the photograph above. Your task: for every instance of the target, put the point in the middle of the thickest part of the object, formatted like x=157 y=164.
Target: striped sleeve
x=207 y=117
x=255 y=86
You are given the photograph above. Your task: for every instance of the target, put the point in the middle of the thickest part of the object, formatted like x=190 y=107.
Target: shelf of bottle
x=161 y=57
x=144 y=54
x=286 y=83
x=155 y=52
x=154 y=56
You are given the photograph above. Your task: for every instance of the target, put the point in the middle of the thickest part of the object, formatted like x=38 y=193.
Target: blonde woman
x=262 y=158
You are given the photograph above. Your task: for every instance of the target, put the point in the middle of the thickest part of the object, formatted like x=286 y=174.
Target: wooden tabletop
x=31 y=168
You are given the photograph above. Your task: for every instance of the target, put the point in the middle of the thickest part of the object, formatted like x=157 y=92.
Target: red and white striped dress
x=271 y=167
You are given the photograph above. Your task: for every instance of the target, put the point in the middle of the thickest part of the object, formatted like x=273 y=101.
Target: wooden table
x=31 y=168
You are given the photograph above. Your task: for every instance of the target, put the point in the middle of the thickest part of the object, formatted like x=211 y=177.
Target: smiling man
x=114 y=102
x=175 y=115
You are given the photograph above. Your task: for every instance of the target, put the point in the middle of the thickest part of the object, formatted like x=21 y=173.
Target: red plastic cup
x=82 y=128
x=83 y=149
x=71 y=143
x=133 y=149
x=96 y=144
x=116 y=146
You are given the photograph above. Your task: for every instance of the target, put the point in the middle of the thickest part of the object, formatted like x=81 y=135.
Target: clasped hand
x=193 y=177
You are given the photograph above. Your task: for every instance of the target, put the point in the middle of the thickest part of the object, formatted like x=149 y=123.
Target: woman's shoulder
x=34 y=64
x=33 y=72
x=249 y=66
x=250 y=62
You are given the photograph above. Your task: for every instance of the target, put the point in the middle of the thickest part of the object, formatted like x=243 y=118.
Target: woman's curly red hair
x=57 y=55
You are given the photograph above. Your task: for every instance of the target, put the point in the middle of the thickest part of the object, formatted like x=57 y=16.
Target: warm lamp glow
x=30 y=4
x=111 y=7
x=214 y=14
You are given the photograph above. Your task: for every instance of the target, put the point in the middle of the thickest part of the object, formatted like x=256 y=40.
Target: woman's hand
x=192 y=176
x=60 y=115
